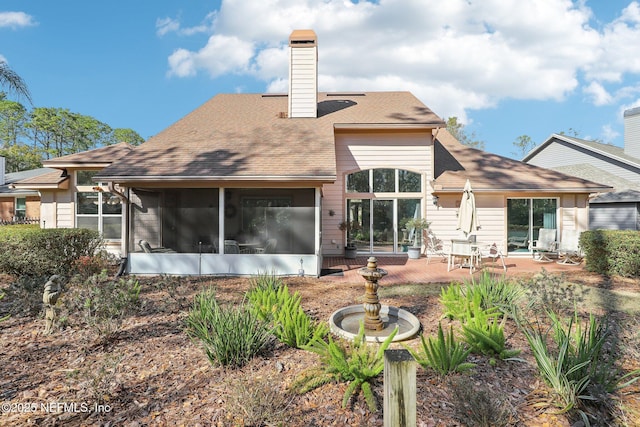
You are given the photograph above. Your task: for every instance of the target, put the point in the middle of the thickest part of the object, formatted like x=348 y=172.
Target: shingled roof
x=487 y=172
x=248 y=137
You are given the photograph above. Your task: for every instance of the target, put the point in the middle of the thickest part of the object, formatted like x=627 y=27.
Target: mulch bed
x=151 y=373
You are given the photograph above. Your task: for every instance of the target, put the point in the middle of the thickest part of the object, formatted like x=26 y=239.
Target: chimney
x=303 y=74
x=2 y=170
x=632 y=132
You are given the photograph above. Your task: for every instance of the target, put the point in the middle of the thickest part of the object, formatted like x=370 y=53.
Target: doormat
x=331 y=272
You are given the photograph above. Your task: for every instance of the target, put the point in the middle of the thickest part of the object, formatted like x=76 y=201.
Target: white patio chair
x=545 y=245
x=269 y=247
x=433 y=246
x=569 y=248
x=494 y=253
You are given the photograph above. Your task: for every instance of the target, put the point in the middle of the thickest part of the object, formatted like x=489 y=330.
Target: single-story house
x=251 y=183
x=18 y=205
x=618 y=167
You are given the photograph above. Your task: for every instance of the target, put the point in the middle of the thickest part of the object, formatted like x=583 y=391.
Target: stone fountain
x=379 y=320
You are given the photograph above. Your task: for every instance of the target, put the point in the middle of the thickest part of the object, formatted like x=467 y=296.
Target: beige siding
x=303 y=90
x=354 y=152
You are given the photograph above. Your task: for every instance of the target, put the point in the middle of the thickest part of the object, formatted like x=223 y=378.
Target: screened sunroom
x=223 y=230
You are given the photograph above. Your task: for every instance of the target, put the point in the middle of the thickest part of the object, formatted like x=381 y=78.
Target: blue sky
x=505 y=68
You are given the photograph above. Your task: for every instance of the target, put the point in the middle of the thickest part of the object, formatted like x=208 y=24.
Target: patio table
x=463 y=249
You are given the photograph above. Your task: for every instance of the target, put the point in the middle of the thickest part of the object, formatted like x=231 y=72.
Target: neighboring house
x=18 y=205
x=614 y=166
x=250 y=183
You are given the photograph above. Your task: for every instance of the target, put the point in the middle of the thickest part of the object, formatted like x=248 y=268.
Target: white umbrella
x=467 y=216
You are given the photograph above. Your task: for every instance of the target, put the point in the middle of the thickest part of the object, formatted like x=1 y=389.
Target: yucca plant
x=442 y=354
x=230 y=335
x=271 y=301
x=484 y=332
x=357 y=364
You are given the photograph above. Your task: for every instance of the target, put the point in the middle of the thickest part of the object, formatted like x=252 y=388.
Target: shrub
x=577 y=367
x=442 y=354
x=357 y=364
x=32 y=252
x=612 y=251
x=257 y=401
x=479 y=405
x=272 y=302
x=548 y=293
x=102 y=303
x=488 y=293
x=485 y=334
x=230 y=335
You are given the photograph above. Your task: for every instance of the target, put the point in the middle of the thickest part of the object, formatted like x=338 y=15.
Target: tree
x=59 y=132
x=523 y=144
x=13 y=82
x=21 y=157
x=13 y=117
x=126 y=135
x=457 y=130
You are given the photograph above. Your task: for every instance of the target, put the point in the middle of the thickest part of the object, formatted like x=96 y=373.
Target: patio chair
x=569 y=248
x=231 y=247
x=545 y=245
x=269 y=247
x=516 y=242
x=492 y=252
x=146 y=247
x=433 y=246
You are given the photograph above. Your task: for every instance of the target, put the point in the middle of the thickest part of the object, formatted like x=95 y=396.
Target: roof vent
x=303 y=74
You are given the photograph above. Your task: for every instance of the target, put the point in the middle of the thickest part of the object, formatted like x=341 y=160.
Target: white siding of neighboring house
x=57 y=209
x=361 y=151
x=562 y=154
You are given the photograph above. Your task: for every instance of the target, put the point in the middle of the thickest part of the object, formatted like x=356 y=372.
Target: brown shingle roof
x=99 y=157
x=455 y=163
x=52 y=180
x=249 y=137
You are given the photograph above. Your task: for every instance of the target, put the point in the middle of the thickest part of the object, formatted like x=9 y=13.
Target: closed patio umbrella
x=467 y=216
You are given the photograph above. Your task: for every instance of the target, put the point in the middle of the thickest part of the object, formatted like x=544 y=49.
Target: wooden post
x=399 y=389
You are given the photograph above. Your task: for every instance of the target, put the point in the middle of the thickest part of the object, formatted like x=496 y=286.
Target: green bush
x=231 y=335
x=442 y=354
x=33 y=252
x=100 y=303
x=577 y=366
x=485 y=334
x=489 y=292
x=612 y=252
x=271 y=301
x=356 y=364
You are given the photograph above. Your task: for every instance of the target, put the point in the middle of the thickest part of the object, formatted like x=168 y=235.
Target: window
x=97 y=209
x=21 y=207
x=384 y=181
x=378 y=222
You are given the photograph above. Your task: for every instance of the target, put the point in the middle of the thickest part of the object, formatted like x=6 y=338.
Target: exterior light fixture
x=435 y=200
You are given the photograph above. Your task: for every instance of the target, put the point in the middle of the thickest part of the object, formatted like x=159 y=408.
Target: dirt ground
x=149 y=373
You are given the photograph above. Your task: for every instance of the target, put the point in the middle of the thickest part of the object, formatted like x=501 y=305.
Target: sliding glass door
x=525 y=218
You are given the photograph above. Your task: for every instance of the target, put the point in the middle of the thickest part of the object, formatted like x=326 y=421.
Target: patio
x=400 y=269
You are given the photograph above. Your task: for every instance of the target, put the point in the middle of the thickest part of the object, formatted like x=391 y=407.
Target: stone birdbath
x=379 y=320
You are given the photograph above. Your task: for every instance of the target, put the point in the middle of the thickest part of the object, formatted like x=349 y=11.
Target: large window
x=525 y=218
x=378 y=216
x=97 y=208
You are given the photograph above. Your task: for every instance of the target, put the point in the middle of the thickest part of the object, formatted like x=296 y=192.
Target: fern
x=356 y=364
x=442 y=354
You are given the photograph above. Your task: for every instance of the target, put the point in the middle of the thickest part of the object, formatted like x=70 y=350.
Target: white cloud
x=598 y=94
x=16 y=20
x=454 y=55
x=166 y=25
x=171 y=25
x=221 y=55
x=609 y=134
